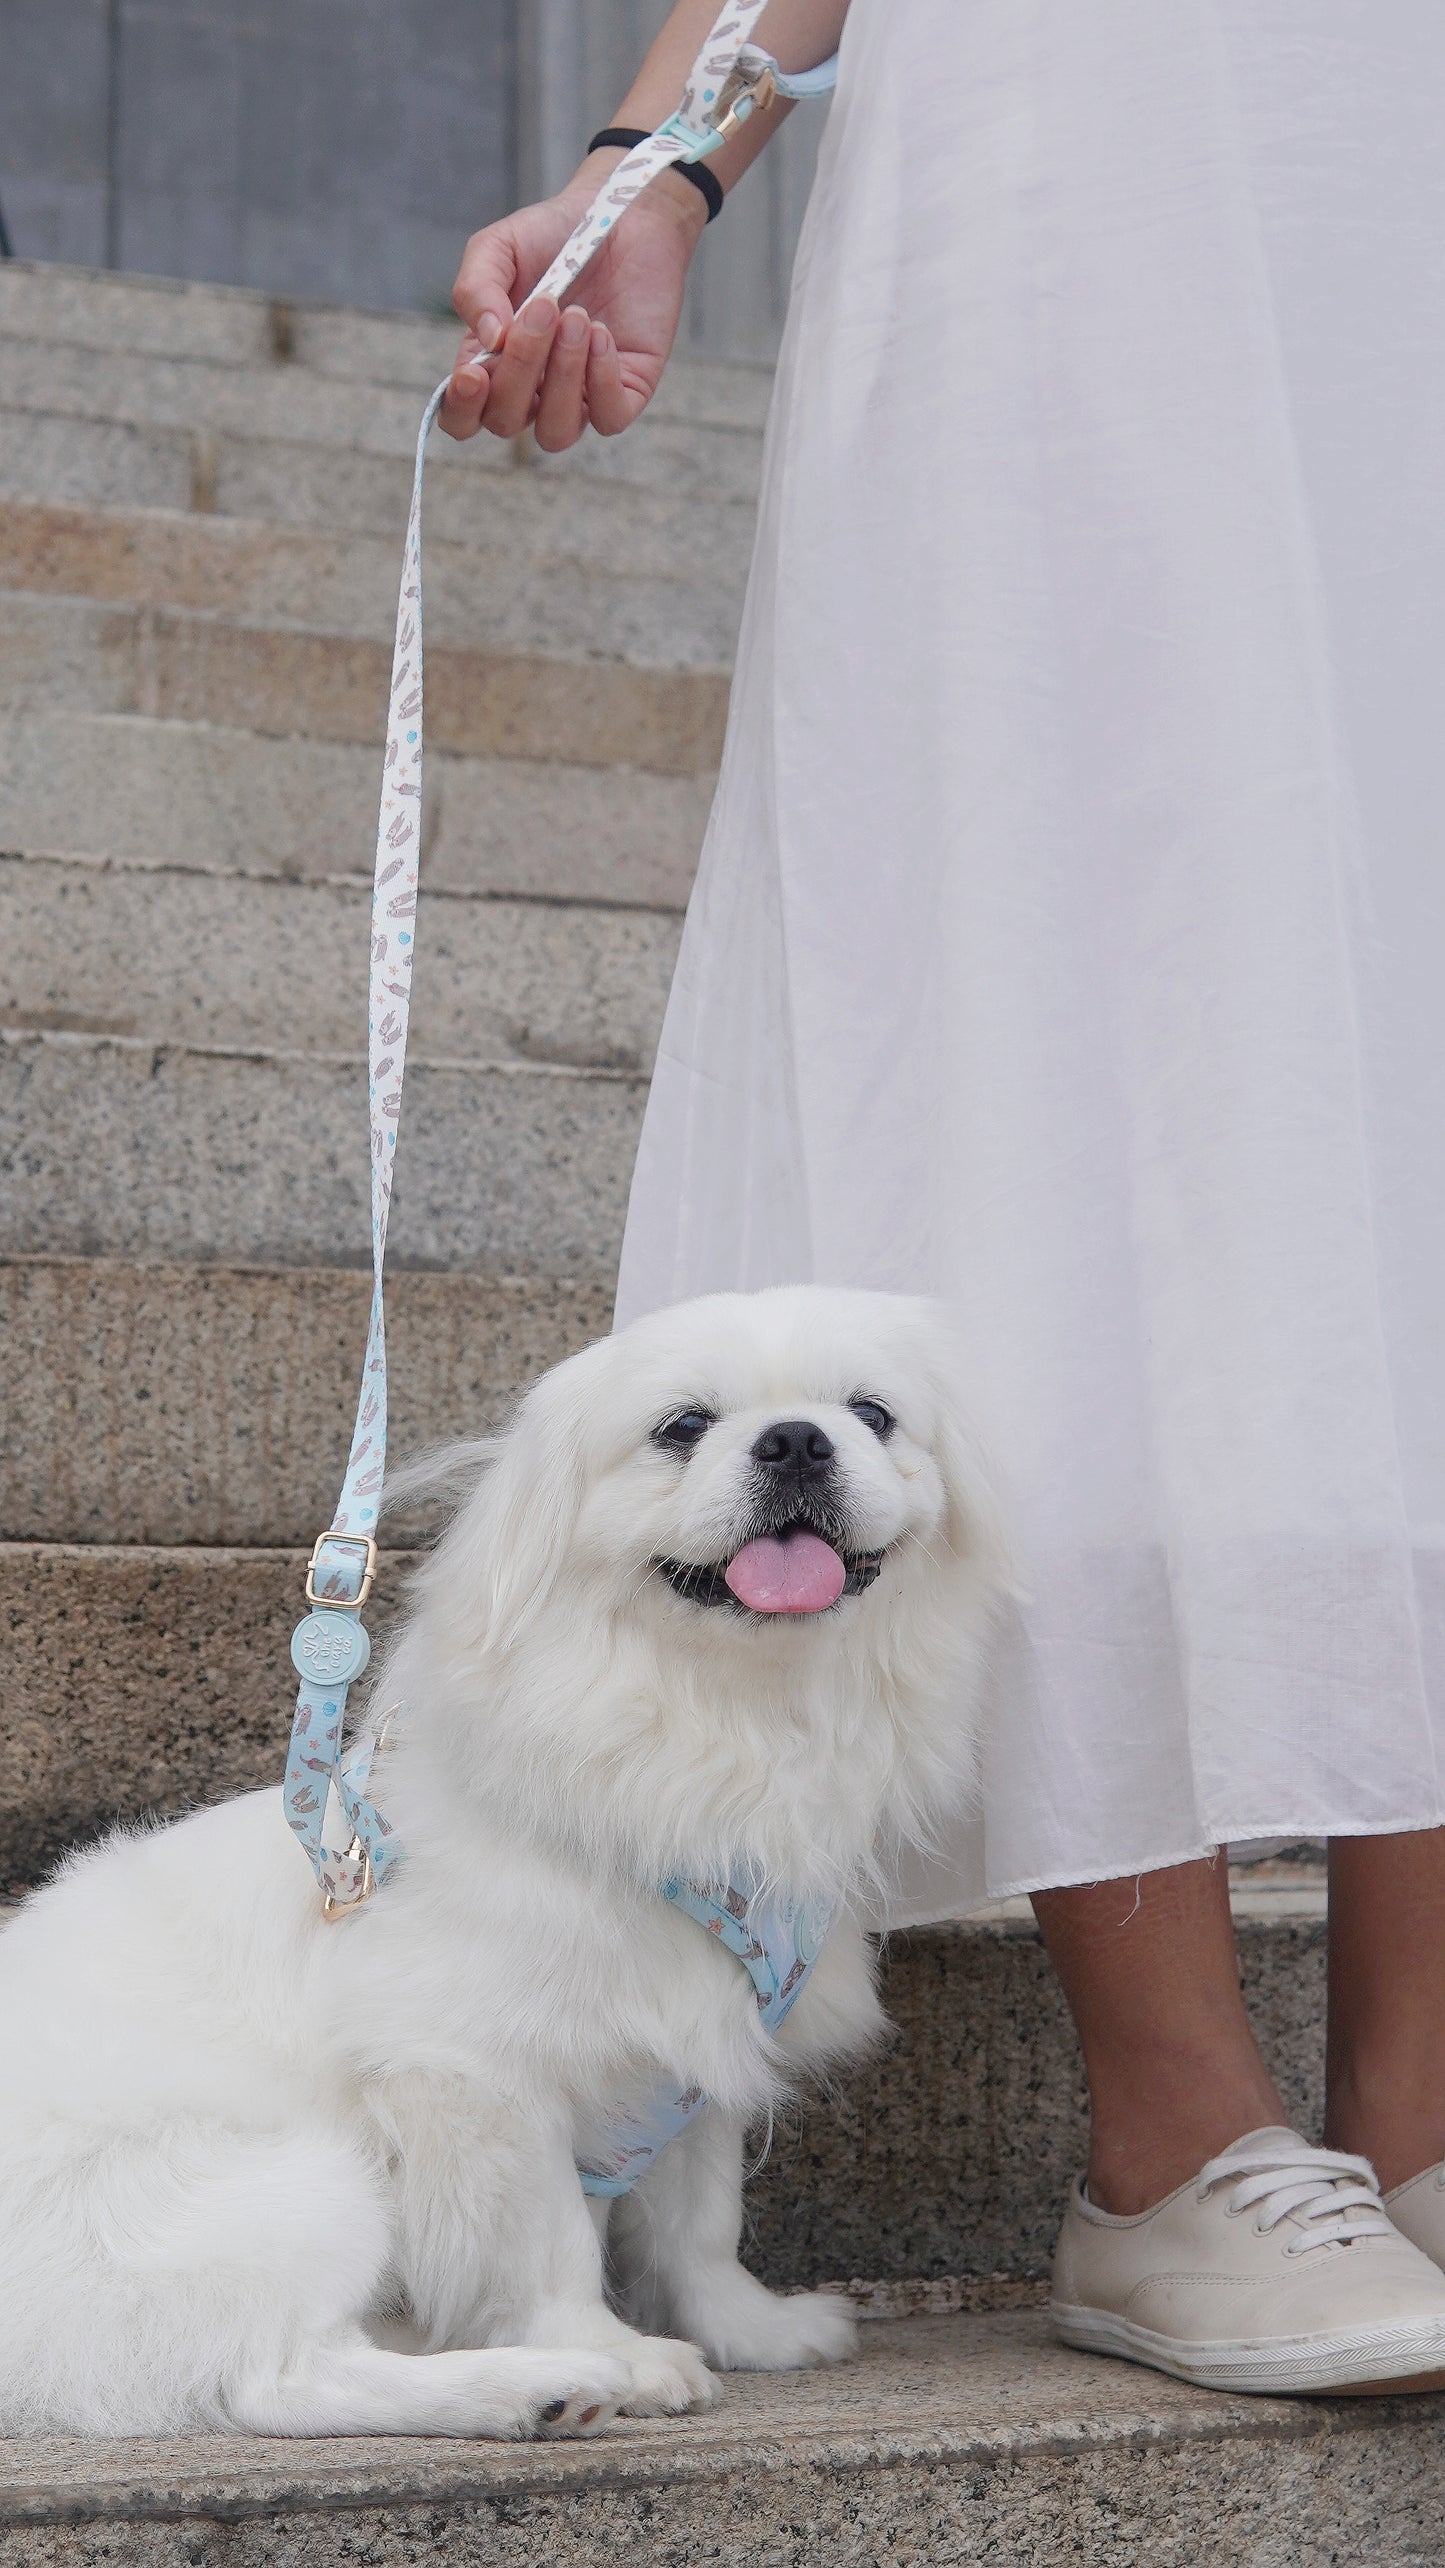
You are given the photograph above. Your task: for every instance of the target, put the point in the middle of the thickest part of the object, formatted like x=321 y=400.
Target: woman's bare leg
x=1385 y=2081
x=1151 y=1974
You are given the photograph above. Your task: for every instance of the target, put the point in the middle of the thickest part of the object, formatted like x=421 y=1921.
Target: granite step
x=118 y=1146
x=194 y=1404
x=176 y=957
x=86 y=457
x=281 y=440
x=951 y=2441
x=239 y=327
x=75 y=655
x=211 y=796
x=546 y=554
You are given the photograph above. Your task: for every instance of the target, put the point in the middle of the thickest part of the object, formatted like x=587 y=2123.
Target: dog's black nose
x=795 y=1446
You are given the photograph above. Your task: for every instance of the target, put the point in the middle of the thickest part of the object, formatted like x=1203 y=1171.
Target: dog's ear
x=974 y=1522
x=511 y=1541
x=975 y=1525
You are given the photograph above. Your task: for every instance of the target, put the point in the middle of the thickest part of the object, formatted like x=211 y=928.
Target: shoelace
x=1336 y=2197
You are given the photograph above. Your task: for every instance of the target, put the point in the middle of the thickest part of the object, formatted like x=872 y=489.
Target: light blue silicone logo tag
x=329 y=1649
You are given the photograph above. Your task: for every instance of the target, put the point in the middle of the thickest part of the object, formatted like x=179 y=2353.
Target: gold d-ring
x=331 y=1906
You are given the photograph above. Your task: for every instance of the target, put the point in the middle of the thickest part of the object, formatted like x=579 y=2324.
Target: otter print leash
x=347 y=1840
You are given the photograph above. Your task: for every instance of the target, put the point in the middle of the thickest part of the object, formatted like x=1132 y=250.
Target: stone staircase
x=201 y=503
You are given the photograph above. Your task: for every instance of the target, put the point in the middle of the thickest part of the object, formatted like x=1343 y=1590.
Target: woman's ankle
x=1143 y=2148
x=1382 y=2117
x=1151 y=1974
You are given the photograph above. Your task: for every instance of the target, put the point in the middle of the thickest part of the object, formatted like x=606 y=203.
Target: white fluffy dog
x=714 y=1605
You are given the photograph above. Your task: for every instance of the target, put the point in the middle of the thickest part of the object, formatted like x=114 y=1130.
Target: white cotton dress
x=1069 y=939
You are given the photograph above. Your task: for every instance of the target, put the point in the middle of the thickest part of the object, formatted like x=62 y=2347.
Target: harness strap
x=777 y=1944
x=348 y=1843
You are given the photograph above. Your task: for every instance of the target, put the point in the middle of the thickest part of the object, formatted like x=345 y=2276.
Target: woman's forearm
x=798 y=34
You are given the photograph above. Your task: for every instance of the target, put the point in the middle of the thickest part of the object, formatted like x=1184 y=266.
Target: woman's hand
x=601 y=359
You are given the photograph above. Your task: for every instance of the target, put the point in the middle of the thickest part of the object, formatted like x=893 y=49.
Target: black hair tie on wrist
x=627 y=137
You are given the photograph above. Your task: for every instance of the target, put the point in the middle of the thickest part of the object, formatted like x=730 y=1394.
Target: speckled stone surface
x=111 y=1147
x=198 y=796
x=213 y=1404
x=497 y=981
x=96 y=462
x=509 y=696
x=259 y=426
x=262 y=446
x=136 y=1679
x=550 y=571
x=953 y=2153
x=950 y=2442
x=241 y=329
x=342 y=579
x=47 y=367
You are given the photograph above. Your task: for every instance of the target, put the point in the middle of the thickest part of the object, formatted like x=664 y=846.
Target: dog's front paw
x=572 y=2393
x=749 y=2329
x=668 y=2378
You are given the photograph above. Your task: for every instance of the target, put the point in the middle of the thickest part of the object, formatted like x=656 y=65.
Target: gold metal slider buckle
x=363 y=1543
x=740 y=94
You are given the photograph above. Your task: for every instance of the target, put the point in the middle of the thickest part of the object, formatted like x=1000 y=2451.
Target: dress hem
x=1200 y=1850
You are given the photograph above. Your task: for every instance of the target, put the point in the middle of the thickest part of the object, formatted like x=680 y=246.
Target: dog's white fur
x=265 y=2173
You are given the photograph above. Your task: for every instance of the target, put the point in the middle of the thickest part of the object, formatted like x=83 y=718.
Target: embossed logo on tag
x=329 y=1649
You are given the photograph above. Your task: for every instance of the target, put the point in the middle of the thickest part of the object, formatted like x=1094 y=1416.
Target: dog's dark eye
x=681 y=1433
x=874 y=1415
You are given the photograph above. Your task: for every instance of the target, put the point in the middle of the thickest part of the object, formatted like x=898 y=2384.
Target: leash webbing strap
x=330 y=1649
x=324 y=1791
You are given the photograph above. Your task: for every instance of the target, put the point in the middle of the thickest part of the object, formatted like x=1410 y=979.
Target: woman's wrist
x=668 y=194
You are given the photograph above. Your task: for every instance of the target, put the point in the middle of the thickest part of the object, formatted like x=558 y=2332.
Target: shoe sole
x=1408 y=2356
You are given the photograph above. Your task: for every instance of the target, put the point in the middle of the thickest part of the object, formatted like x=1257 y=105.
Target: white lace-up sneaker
x=1417 y=2209
x=1277 y=2269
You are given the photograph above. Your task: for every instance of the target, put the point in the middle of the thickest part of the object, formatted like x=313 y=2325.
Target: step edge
x=641 y=2455
x=453 y=657
x=14 y=1037
x=81 y=860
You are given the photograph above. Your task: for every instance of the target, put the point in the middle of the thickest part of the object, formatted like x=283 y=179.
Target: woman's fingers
x=482 y=296
x=540 y=375
x=517 y=372
x=486 y=282
x=561 y=412
x=467 y=394
x=610 y=406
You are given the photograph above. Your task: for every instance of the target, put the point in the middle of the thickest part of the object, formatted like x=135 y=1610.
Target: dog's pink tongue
x=787 y=1574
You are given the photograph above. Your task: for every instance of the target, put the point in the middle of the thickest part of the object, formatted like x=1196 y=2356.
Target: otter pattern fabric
x=329 y=1649
x=777 y=1944
x=393 y=925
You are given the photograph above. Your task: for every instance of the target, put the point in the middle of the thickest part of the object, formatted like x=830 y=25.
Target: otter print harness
x=777 y=1945
x=326 y=1790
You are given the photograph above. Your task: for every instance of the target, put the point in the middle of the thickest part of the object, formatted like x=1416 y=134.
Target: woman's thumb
x=482 y=295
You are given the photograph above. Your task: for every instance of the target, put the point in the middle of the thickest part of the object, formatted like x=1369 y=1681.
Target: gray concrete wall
x=342 y=148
